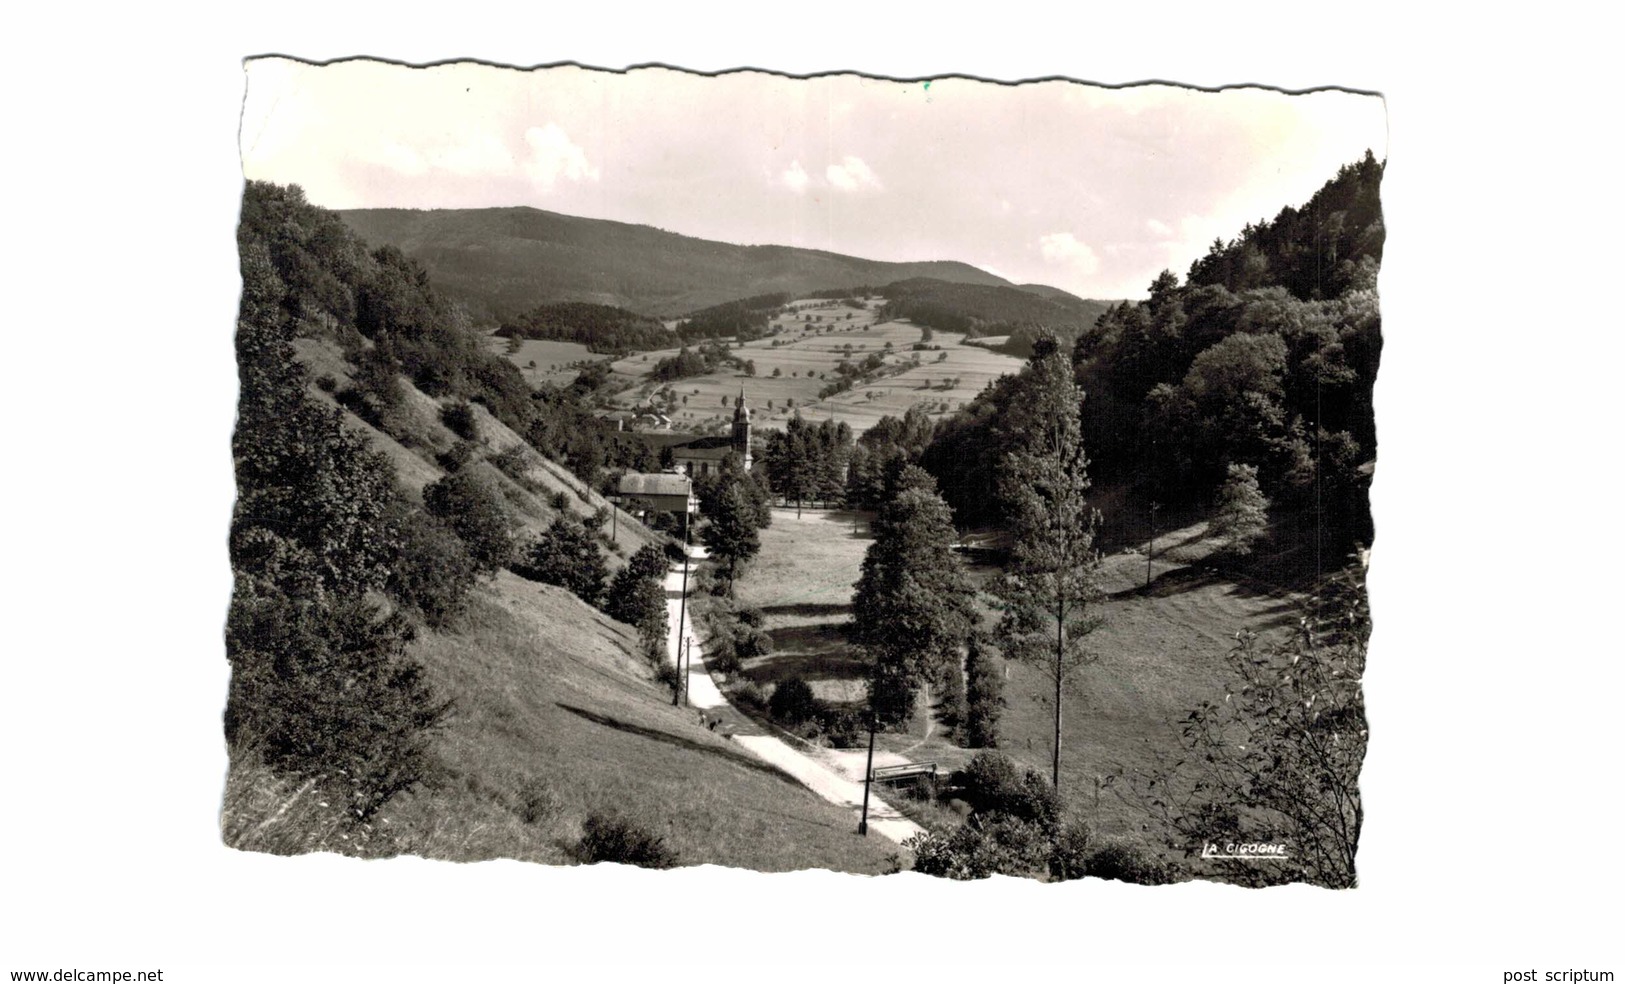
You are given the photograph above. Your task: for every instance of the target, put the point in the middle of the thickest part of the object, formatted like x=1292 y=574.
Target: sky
x=1090 y=189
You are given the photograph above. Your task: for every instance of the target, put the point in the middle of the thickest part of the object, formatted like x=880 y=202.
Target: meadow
x=805 y=354
x=1159 y=654
x=544 y=360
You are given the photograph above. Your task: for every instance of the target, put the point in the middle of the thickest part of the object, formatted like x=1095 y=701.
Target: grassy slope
x=1160 y=654
x=554 y=716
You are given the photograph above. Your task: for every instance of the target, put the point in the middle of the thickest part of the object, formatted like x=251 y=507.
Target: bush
x=606 y=837
x=1069 y=855
x=637 y=601
x=568 y=556
x=793 y=701
x=474 y=509
x=994 y=786
x=457 y=457
x=981 y=849
x=723 y=655
x=1120 y=862
x=751 y=643
x=750 y=696
x=434 y=571
x=327 y=383
x=649 y=561
x=844 y=728
x=675 y=552
x=750 y=616
x=559 y=501
x=458 y=416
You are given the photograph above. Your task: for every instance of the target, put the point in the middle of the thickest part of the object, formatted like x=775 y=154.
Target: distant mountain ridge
x=501 y=262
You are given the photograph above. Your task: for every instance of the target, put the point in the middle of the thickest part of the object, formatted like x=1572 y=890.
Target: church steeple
x=741 y=432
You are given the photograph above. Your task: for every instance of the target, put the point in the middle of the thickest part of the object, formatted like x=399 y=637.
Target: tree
x=472 y=507
x=984 y=697
x=567 y=554
x=1051 y=580
x=1243 y=512
x=914 y=606
x=639 y=600
x=731 y=533
x=1277 y=760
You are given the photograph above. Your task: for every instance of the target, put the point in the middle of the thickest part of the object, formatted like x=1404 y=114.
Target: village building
x=704 y=455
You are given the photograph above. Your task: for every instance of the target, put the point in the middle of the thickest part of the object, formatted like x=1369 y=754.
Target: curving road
x=838 y=780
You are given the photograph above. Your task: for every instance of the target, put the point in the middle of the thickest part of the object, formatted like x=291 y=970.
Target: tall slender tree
x=1051 y=581
x=731 y=533
x=914 y=606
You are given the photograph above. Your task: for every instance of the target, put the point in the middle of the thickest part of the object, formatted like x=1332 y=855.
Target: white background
x=1491 y=837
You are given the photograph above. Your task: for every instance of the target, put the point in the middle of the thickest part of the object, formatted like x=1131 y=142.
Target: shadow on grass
x=687 y=744
x=1182 y=580
x=808 y=610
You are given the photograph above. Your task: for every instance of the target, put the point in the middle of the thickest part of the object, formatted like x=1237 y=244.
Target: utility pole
x=1151 y=544
x=868 y=775
x=682 y=606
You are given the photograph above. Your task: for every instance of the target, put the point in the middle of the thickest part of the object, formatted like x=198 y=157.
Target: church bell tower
x=741 y=434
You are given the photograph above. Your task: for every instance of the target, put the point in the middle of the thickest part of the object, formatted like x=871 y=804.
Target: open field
x=805 y=355
x=1159 y=654
x=543 y=360
x=802 y=581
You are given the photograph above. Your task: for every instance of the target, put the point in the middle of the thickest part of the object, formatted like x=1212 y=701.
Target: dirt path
x=838 y=781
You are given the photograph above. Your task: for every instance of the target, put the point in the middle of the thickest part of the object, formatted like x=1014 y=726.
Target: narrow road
x=838 y=787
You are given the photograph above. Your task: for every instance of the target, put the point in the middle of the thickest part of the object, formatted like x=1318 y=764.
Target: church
x=704 y=455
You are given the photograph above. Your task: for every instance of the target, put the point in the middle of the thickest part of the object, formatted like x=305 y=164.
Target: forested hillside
x=501 y=262
x=1264 y=357
x=600 y=327
x=440 y=641
x=978 y=309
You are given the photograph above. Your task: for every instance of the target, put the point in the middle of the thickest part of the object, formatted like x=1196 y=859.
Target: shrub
x=471 y=507
x=751 y=643
x=434 y=571
x=723 y=655
x=454 y=459
x=606 y=837
x=1069 y=855
x=675 y=552
x=666 y=673
x=844 y=727
x=750 y=616
x=981 y=849
x=750 y=696
x=559 y=501
x=568 y=556
x=458 y=416
x=994 y=786
x=1120 y=862
x=793 y=701
x=649 y=561
x=327 y=383
x=637 y=601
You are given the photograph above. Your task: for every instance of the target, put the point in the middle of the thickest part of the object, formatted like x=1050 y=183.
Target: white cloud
x=1159 y=229
x=553 y=155
x=1063 y=248
x=795 y=178
x=851 y=175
